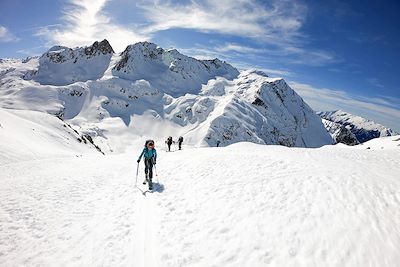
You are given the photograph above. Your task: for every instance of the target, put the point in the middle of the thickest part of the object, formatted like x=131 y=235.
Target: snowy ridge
x=147 y=90
x=253 y=108
x=62 y=65
x=362 y=128
x=169 y=70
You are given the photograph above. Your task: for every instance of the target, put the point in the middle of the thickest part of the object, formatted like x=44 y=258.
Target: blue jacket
x=149 y=153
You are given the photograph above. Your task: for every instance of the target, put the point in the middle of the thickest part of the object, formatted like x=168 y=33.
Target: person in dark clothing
x=149 y=154
x=218 y=142
x=180 y=141
x=169 y=143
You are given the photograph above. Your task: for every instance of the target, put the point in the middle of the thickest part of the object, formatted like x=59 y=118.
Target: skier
x=150 y=157
x=218 y=142
x=180 y=141
x=169 y=142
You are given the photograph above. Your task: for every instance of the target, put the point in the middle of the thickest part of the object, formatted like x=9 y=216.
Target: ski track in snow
x=244 y=205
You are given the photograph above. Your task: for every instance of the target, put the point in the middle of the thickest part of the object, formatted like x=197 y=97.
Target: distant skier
x=150 y=157
x=169 y=142
x=218 y=142
x=180 y=141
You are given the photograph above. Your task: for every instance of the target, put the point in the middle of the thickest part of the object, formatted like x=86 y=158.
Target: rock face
x=340 y=133
x=61 y=65
x=363 y=129
x=169 y=70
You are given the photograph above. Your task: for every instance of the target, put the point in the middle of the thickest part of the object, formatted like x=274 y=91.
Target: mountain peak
x=103 y=47
x=62 y=65
x=168 y=70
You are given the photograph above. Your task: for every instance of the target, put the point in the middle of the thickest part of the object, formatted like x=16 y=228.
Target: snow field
x=243 y=205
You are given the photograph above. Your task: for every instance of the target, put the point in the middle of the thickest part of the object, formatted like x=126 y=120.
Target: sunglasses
x=150 y=144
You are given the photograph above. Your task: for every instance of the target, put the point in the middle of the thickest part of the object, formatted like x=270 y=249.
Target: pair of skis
x=146 y=179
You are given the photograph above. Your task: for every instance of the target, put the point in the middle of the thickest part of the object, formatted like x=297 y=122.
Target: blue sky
x=335 y=54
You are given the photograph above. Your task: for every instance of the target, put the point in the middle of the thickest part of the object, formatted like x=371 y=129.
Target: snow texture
x=241 y=205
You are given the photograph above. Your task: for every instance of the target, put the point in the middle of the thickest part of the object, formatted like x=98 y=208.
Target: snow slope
x=388 y=142
x=362 y=128
x=242 y=205
x=32 y=135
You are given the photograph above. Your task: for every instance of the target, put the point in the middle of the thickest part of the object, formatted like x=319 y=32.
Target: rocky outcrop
x=363 y=129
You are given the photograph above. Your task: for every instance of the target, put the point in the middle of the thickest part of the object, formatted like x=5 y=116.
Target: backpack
x=180 y=139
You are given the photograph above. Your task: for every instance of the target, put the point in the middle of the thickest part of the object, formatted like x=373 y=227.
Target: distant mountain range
x=150 y=91
x=351 y=129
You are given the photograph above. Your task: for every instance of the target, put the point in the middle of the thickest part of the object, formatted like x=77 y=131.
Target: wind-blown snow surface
x=241 y=205
x=148 y=90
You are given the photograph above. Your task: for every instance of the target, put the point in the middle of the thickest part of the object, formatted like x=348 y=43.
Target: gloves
x=138 y=160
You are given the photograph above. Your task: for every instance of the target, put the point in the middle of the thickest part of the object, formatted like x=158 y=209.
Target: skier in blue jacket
x=150 y=156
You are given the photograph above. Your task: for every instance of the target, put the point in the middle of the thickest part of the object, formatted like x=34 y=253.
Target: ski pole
x=155 y=170
x=137 y=173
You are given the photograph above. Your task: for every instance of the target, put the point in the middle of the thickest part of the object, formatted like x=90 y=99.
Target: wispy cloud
x=275 y=26
x=384 y=110
x=375 y=82
x=232 y=47
x=85 y=21
x=276 y=22
x=6 y=35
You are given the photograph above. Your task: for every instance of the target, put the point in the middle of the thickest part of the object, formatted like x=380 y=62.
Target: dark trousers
x=169 y=146
x=180 y=145
x=148 y=167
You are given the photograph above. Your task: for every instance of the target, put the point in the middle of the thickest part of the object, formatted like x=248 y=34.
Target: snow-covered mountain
x=340 y=133
x=169 y=70
x=147 y=90
x=363 y=129
x=61 y=65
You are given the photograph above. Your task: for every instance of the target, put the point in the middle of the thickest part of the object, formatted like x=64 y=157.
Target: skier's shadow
x=157 y=188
